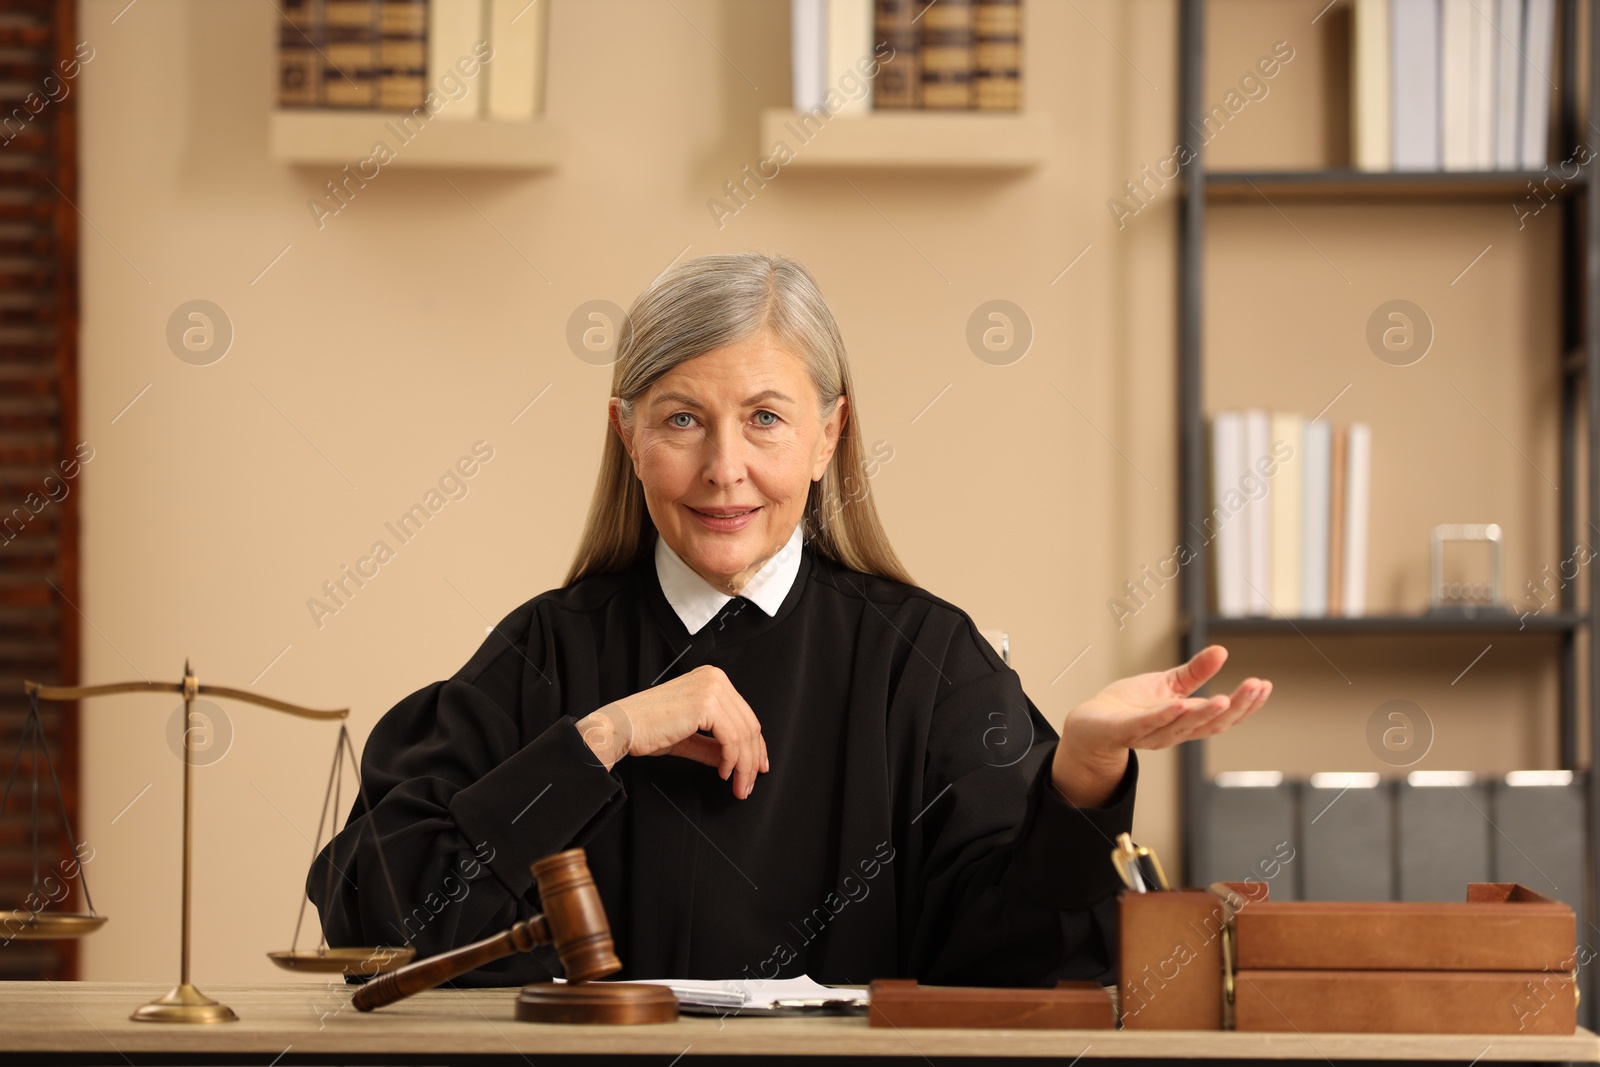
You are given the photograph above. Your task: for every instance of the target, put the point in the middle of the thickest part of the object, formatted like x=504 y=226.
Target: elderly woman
x=781 y=755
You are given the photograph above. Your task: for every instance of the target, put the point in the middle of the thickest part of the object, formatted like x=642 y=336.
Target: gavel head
x=575 y=916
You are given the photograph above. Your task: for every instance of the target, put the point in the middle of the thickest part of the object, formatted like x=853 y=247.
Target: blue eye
x=672 y=419
x=774 y=421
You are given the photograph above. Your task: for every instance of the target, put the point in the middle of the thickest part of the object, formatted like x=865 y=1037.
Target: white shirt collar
x=697 y=601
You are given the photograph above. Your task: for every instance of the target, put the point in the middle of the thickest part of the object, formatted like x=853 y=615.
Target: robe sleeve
x=1016 y=883
x=469 y=780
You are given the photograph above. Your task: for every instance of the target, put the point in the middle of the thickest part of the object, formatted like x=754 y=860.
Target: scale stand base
x=184 y=1004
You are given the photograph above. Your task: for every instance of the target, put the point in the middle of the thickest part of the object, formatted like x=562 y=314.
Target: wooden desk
x=310 y=1023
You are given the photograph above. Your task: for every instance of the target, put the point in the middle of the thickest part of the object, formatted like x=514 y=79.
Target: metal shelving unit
x=1579 y=204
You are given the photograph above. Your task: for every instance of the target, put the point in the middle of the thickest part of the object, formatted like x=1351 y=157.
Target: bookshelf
x=1578 y=204
x=335 y=138
x=911 y=139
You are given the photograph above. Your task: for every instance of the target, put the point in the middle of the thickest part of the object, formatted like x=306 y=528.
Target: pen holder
x=1171 y=952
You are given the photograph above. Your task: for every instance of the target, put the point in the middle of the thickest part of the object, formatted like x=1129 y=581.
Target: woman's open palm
x=1156 y=710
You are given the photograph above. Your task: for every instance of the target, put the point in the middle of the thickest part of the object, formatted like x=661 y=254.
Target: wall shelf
x=335 y=138
x=910 y=140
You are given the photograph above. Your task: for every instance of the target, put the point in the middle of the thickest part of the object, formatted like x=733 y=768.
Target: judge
x=782 y=755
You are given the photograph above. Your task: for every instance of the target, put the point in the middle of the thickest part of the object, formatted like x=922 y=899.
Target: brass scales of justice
x=185 y=1003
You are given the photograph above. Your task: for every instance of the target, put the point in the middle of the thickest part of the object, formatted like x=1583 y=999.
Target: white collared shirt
x=697 y=601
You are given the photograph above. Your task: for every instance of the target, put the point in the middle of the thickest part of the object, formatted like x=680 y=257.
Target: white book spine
x=454 y=27
x=1358 y=495
x=1316 y=465
x=1226 y=526
x=516 y=76
x=1508 y=85
x=1481 y=108
x=1370 y=67
x=1456 y=36
x=1414 y=85
x=1288 y=500
x=808 y=20
x=850 y=27
x=1257 y=430
x=1538 y=49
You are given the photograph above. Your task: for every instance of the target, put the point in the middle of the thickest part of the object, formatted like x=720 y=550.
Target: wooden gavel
x=574 y=920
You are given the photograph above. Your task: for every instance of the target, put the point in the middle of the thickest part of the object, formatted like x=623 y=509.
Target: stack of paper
x=757 y=995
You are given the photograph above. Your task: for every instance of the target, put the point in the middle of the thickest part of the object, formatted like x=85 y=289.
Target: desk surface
x=87 y=1022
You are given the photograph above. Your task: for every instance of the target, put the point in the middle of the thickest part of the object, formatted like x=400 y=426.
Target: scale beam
x=78 y=692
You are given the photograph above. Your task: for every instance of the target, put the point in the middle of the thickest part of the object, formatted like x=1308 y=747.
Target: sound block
x=609 y=1003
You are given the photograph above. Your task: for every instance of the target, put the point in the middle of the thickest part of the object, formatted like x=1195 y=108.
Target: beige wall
x=378 y=349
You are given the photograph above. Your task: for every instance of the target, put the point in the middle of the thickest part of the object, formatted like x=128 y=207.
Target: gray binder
x=1347 y=833
x=1444 y=830
x=1539 y=841
x=1249 y=832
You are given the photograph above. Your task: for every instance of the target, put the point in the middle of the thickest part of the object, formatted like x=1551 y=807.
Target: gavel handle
x=436 y=970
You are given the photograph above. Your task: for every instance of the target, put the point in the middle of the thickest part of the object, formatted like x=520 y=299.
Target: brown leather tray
x=1406 y=1002
x=902 y=1003
x=1499 y=927
x=1499 y=962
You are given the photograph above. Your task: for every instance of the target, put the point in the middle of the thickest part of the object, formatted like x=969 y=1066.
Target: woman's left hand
x=1152 y=710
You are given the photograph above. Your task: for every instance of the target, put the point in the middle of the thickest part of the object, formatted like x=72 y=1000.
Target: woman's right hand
x=665 y=720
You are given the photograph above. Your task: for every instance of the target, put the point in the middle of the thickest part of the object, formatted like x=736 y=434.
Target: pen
x=1139 y=867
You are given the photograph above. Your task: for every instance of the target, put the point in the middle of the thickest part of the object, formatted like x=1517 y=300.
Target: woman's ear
x=614 y=416
x=832 y=427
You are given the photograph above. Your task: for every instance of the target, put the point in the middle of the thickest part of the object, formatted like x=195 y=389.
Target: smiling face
x=726 y=446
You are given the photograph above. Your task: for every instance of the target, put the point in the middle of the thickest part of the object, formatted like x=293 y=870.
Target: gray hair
x=701 y=305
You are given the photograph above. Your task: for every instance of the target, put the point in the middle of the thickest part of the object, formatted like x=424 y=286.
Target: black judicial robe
x=907 y=827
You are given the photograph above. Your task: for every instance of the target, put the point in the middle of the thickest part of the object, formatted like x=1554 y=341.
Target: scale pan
x=348 y=960
x=48 y=925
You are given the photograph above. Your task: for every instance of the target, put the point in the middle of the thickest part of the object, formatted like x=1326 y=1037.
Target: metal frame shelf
x=1579 y=204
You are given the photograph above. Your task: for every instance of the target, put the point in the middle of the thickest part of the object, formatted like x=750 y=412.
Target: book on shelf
x=1467 y=84
x=849 y=35
x=1315 y=490
x=389 y=55
x=454 y=26
x=300 y=38
x=402 y=54
x=1369 y=81
x=900 y=75
x=1538 y=48
x=808 y=57
x=1508 y=86
x=1227 y=452
x=997 y=55
x=1413 y=81
x=949 y=39
x=1451 y=84
x=831 y=53
x=350 y=54
x=516 y=75
x=1289 y=517
x=1357 y=501
x=1257 y=513
x=944 y=55
x=1338 y=494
